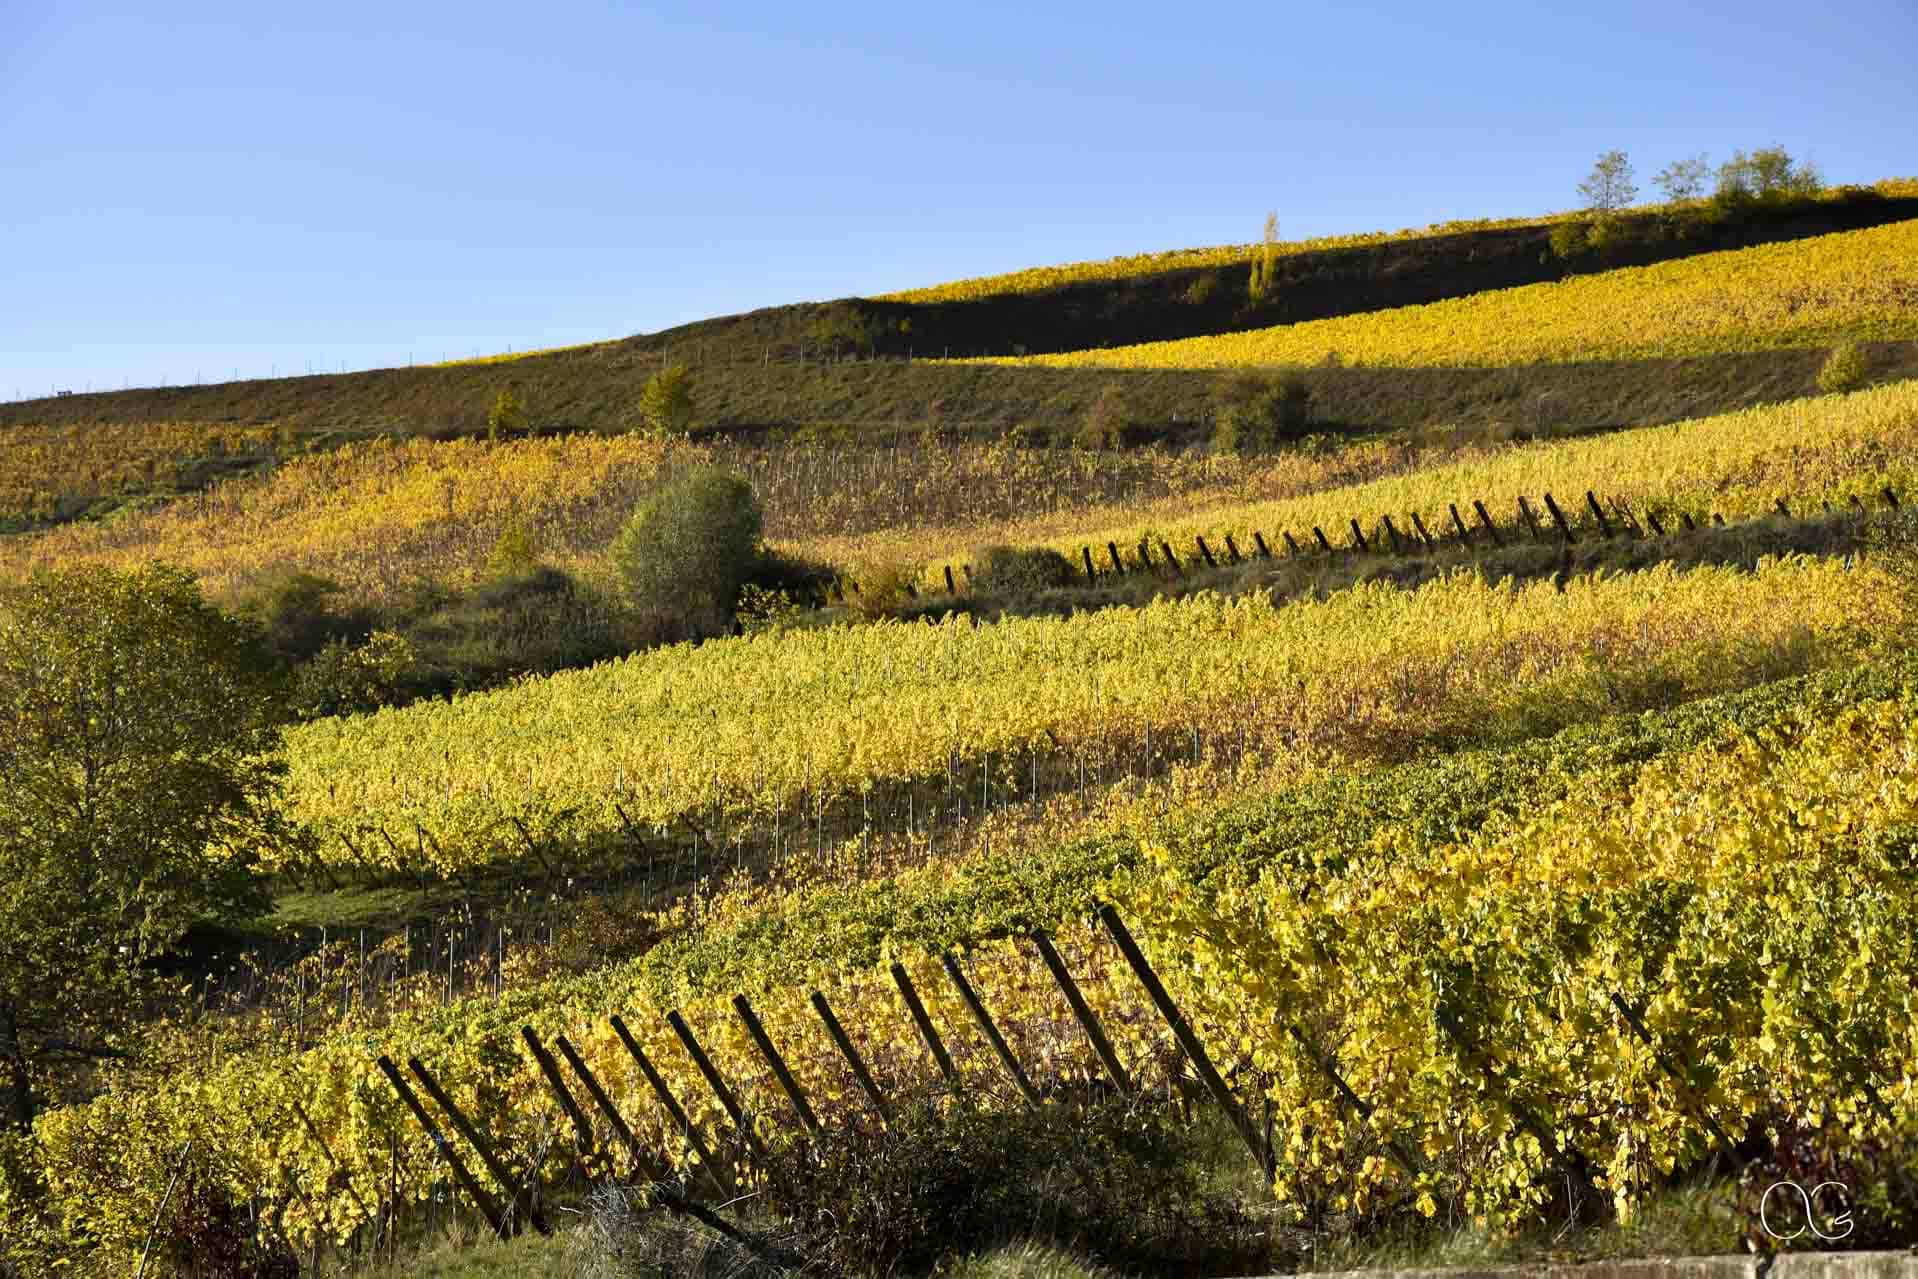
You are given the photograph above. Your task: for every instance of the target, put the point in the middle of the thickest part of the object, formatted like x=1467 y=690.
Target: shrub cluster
x=1257 y=412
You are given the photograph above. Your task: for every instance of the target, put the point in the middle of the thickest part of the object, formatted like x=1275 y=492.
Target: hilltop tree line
x=1769 y=173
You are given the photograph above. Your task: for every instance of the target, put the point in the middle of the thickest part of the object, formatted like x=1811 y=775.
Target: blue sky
x=194 y=190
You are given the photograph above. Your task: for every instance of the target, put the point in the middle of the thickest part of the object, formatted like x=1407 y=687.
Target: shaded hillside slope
x=787 y=366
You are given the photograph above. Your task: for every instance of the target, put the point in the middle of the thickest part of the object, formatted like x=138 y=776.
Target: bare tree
x=1609 y=187
x=1684 y=179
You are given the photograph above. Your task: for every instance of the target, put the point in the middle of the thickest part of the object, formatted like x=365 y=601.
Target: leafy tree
x=507 y=416
x=666 y=401
x=139 y=773
x=1684 y=179
x=690 y=546
x=1609 y=187
x=1769 y=173
x=1265 y=266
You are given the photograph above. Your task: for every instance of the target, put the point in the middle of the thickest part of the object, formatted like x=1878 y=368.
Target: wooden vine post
x=488 y=1206
x=1182 y=1031
x=989 y=1029
x=927 y=1031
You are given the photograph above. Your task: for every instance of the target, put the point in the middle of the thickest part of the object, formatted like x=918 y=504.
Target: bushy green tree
x=690 y=546
x=1843 y=370
x=1769 y=173
x=1107 y=419
x=139 y=779
x=507 y=416
x=666 y=401
x=841 y=329
x=515 y=550
x=1019 y=570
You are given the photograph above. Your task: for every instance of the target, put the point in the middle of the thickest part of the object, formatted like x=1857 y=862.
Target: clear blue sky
x=189 y=189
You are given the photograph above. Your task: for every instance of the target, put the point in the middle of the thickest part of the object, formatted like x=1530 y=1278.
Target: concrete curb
x=1791 y=1265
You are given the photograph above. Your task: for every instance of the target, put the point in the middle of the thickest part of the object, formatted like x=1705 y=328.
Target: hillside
x=1537 y=714
x=1857 y=285
x=786 y=367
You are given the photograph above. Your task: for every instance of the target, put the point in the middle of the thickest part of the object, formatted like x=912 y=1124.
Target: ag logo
x=1823 y=1210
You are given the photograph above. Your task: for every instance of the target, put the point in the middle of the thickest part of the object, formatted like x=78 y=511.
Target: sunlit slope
x=1133 y=265
x=1826 y=448
x=1856 y=284
x=735 y=732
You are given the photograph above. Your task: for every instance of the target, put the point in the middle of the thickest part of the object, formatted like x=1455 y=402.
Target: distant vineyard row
x=1853 y=285
x=1036 y=279
x=1736 y=464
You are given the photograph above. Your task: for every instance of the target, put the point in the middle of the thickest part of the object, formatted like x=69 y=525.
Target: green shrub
x=1609 y=232
x=840 y=329
x=1200 y=291
x=1844 y=369
x=1122 y=1181
x=298 y=617
x=1019 y=570
x=1253 y=413
x=761 y=609
x=882 y=586
x=344 y=678
x=1107 y=421
x=507 y=416
x=514 y=551
x=666 y=402
x=688 y=548
x=1570 y=240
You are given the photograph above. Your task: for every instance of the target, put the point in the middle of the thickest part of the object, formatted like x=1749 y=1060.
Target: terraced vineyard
x=1346 y=910
x=1858 y=285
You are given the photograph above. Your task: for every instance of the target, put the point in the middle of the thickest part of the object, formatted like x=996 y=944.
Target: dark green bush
x=299 y=615
x=1108 y=421
x=1019 y=570
x=1253 y=412
x=1569 y=240
x=1118 y=1180
x=689 y=547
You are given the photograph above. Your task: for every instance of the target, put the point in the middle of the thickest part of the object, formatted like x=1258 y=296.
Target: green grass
x=530 y=1256
x=1025 y=1261
x=1691 y=1220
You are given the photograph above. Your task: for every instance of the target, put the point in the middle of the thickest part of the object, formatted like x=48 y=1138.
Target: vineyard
x=1813 y=451
x=375 y=514
x=1494 y=814
x=1859 y=285
x=756 y=738
x=1036 y=279
x=1448 y=1001
x=48 y=472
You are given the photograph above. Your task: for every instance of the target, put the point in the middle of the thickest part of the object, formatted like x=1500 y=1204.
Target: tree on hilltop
x=1609 y=187
x=1265 y=266
x=1684 y=179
